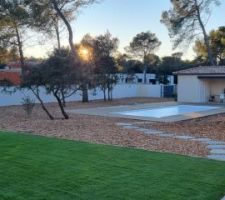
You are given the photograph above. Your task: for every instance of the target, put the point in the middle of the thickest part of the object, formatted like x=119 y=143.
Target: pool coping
x=113 y=111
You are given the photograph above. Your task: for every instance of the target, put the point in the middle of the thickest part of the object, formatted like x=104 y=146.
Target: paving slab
x=217 y=157
x=123 y=124
x=142 y=129
x=130 y=127
x=218 y=151
x=214 y=142
x=170 y=134
x=184 y=137
x=149 y=132
x=205 y=140
x=156 y=132
x=165 y=135
x=216 y=147
x=223 y=198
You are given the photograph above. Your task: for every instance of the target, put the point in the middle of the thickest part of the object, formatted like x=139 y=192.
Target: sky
x=124 y=19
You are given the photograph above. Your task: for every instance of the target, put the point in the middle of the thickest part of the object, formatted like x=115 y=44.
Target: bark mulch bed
x=94 y=129
x=212 y=127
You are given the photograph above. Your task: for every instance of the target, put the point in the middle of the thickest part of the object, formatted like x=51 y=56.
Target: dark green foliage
x=170 y=64
x=130 y=66
x=14 y=23
x=217 y=44
x=104 y=47
x=152 y=61
x=142 y=46
x=57 y=75
x=7 y=55
x=36 y=168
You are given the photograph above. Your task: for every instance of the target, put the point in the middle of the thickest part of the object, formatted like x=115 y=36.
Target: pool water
x=167 y=111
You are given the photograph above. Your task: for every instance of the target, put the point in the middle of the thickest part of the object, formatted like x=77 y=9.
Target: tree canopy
x=14 y=22
x=65 y=10
x=185 y=19
x=56 y=75
x=142 y=45
x=217 y=44
x=105 y=46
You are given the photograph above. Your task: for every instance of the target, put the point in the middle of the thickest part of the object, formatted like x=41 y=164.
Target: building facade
x=201 y=84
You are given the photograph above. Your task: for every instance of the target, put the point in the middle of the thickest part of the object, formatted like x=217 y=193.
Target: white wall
x=216 y=86
x=188 y=89
x=192 y=89
x=204 y=92
x=119 y=91
x=149 y=90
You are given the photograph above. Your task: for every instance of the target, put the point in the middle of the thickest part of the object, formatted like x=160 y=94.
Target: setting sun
x=85 y=53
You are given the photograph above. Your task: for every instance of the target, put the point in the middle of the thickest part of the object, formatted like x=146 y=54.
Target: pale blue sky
x=124 y=19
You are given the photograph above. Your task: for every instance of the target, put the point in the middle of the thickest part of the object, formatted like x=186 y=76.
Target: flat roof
x=203 y=70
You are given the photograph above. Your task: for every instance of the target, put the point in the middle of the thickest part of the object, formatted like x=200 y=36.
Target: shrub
x=28 y=105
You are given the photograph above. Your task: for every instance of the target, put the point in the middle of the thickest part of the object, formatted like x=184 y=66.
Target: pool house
x=201 y=84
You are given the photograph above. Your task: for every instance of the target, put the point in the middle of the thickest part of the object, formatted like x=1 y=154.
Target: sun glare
x=85 y=53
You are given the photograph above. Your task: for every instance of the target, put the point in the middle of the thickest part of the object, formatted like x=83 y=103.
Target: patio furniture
x=222 y=98
x=211 y=98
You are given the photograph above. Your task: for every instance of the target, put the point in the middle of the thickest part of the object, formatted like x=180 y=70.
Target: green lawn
x=38 y=168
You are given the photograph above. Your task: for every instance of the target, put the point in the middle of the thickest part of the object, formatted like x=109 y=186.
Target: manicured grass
x=38 y=168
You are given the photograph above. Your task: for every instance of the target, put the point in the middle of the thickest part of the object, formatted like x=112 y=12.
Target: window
x=152 y=81
x=140 y=80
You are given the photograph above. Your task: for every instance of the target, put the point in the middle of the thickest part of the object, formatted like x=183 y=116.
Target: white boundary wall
x=119 y=91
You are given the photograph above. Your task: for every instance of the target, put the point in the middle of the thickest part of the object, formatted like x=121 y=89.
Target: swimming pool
x=167 y=111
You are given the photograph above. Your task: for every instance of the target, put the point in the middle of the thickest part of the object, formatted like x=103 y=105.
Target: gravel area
x=212 y=127
x=94 y=129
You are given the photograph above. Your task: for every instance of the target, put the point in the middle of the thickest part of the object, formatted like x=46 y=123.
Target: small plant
x=28 y=105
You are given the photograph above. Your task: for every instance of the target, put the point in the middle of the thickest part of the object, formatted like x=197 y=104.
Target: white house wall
x=204 y=92
x=188 y=89
x=192 y=89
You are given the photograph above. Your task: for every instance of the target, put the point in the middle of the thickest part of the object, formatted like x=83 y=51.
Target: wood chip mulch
x=94 y=129
x=212 y=127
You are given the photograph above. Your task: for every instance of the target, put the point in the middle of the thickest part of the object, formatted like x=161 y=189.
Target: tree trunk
x=145 y=74
x=20 y=47
x=85 y=94
x=68 y=26
x=206 y=38
x=57 y=35
x=63 y=98
x=108 y=92
x=42 y=103
x=65 y=115
x=104 y=92
x=145 y=68
x=111 y=93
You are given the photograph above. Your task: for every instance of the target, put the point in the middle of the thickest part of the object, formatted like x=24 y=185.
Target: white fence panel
x=119 y=91
x=149 y=90
x=125 y=90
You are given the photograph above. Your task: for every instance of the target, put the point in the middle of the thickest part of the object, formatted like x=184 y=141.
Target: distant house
x=201 y=84
x=139 y=78
x=11 y=72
